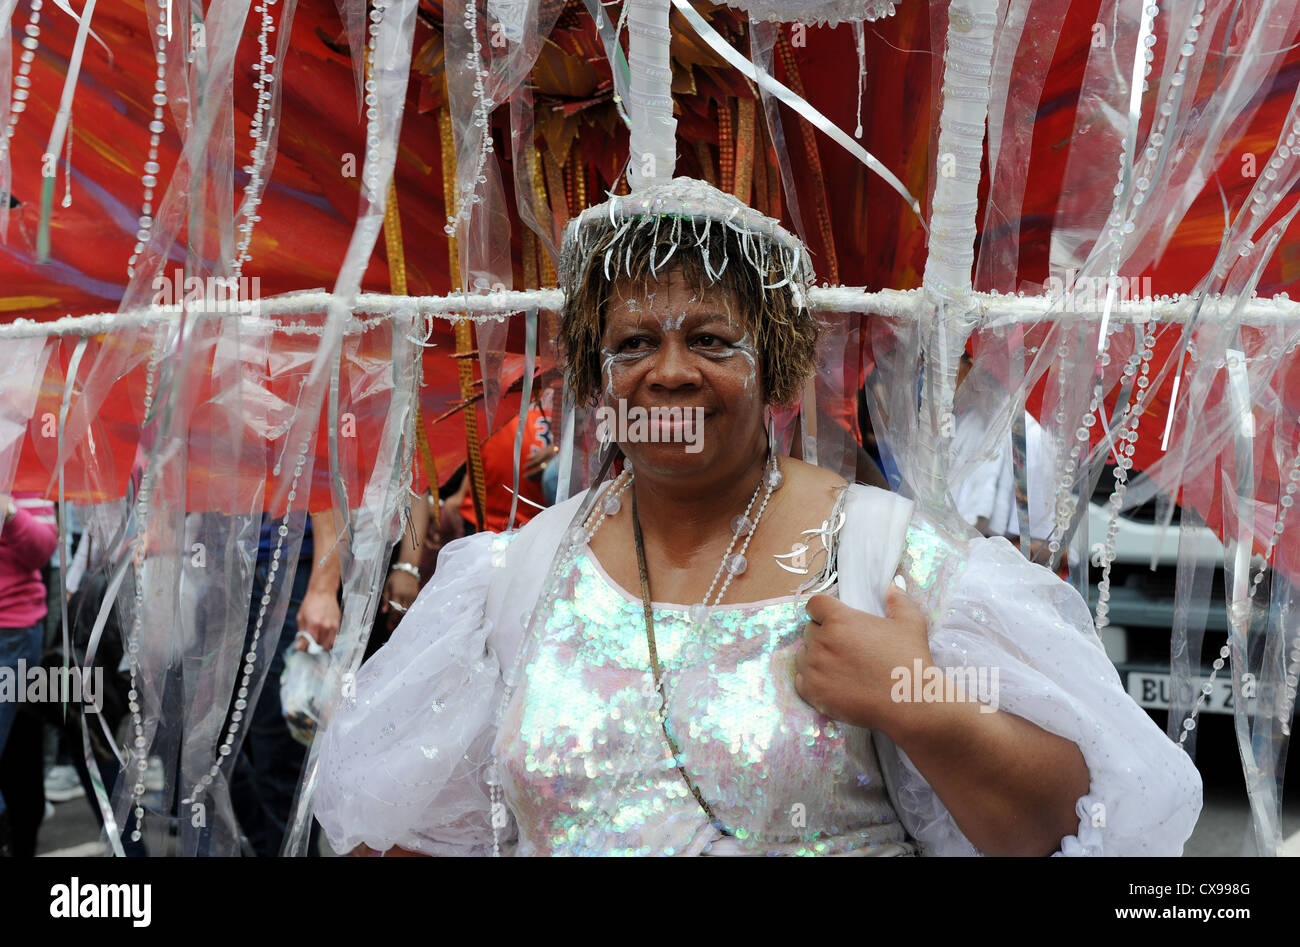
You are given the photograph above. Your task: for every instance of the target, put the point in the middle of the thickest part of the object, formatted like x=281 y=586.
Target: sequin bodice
x=580 y=744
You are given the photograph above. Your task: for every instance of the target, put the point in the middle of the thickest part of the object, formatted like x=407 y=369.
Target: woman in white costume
x=709 y=652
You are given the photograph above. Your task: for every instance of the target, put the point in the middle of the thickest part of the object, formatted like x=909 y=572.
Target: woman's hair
x=784 y=332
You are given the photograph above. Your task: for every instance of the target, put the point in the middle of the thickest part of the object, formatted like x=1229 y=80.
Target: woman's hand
x=319 y=615
x=1010 y=786
x=537 y=461
x=845 y=668
x=401 y=590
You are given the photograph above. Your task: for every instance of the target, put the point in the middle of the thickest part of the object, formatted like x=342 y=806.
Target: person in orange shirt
x=537 y=452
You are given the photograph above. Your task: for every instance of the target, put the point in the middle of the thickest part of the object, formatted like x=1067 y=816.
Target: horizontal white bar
x=991 y=309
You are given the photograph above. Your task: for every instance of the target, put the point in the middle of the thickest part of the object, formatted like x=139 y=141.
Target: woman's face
x=680 y=385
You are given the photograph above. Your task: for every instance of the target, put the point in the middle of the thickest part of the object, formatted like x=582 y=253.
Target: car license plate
x=1153 y=690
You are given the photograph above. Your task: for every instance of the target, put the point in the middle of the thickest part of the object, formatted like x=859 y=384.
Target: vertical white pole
x=653 y=133
x=947 y=281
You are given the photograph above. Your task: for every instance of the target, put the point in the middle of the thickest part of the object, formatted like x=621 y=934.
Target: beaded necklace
x=733 y=563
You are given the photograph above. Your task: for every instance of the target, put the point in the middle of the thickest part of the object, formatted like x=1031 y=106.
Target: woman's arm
x=319 y=614
x=1010 y=786
x=401 y=587
x=30 y=535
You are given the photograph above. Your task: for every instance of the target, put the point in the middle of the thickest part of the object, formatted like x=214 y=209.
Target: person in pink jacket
x=28 y=537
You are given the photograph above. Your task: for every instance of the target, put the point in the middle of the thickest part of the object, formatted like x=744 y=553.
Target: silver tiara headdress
x=697 y=216
x=816 y=12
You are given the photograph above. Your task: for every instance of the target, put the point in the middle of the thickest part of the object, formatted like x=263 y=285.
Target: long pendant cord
x=654 y=662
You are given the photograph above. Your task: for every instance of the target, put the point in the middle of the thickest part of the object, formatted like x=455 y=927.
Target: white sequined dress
x=582 y=763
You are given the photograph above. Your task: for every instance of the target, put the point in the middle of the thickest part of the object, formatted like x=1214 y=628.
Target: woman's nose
x=674 y=364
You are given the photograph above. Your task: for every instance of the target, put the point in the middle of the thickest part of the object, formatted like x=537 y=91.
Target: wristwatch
x=406 y=567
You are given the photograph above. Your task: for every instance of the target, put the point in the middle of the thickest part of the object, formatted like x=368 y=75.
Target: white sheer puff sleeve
x=1002 y=612
x=403 y=758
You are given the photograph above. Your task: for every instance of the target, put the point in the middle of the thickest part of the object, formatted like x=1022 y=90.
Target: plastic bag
x=301 y=684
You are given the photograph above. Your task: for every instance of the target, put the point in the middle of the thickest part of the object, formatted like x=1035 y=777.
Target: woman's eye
x=634 y=344
x=707 y=341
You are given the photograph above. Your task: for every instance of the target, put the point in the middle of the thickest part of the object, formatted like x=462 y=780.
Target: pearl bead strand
x=259 y=130
x=22 y=83
x=227 y=746
x=481 y=112
x=371 y=179
x=145 y=224
x=741 y=525
x=139 y=751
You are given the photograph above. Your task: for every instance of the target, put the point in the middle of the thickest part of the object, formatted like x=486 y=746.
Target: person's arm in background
x=319 y=614
x=31 y=538
x=402 y=586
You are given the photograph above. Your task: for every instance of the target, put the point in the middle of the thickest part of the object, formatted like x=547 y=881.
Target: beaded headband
x=695 y=213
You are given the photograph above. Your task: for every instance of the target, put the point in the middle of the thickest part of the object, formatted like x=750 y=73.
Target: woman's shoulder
x=557 y=516
x=809 y=479
x=549 y=523
x=543 y=531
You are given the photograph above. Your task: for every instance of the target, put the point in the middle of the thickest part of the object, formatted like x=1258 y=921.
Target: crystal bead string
x=144 y=225
x=22 y=84
x=1285 y=503
x=139 y=750
x=741 y=525
x=772 y=479
x=1127 y=436
x=736 y=565
x=1064 y=506
x=259 y=130
x=1116 y=233
x=1066 y=501
x=372 y=104
x=1272 y=354
x=580 y=535
x=233 y=724
x=1157 y=147
x=1156 y=139
x=1117 y=228
x=1263 y=201
x=1189 y=723
x=481 y=111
